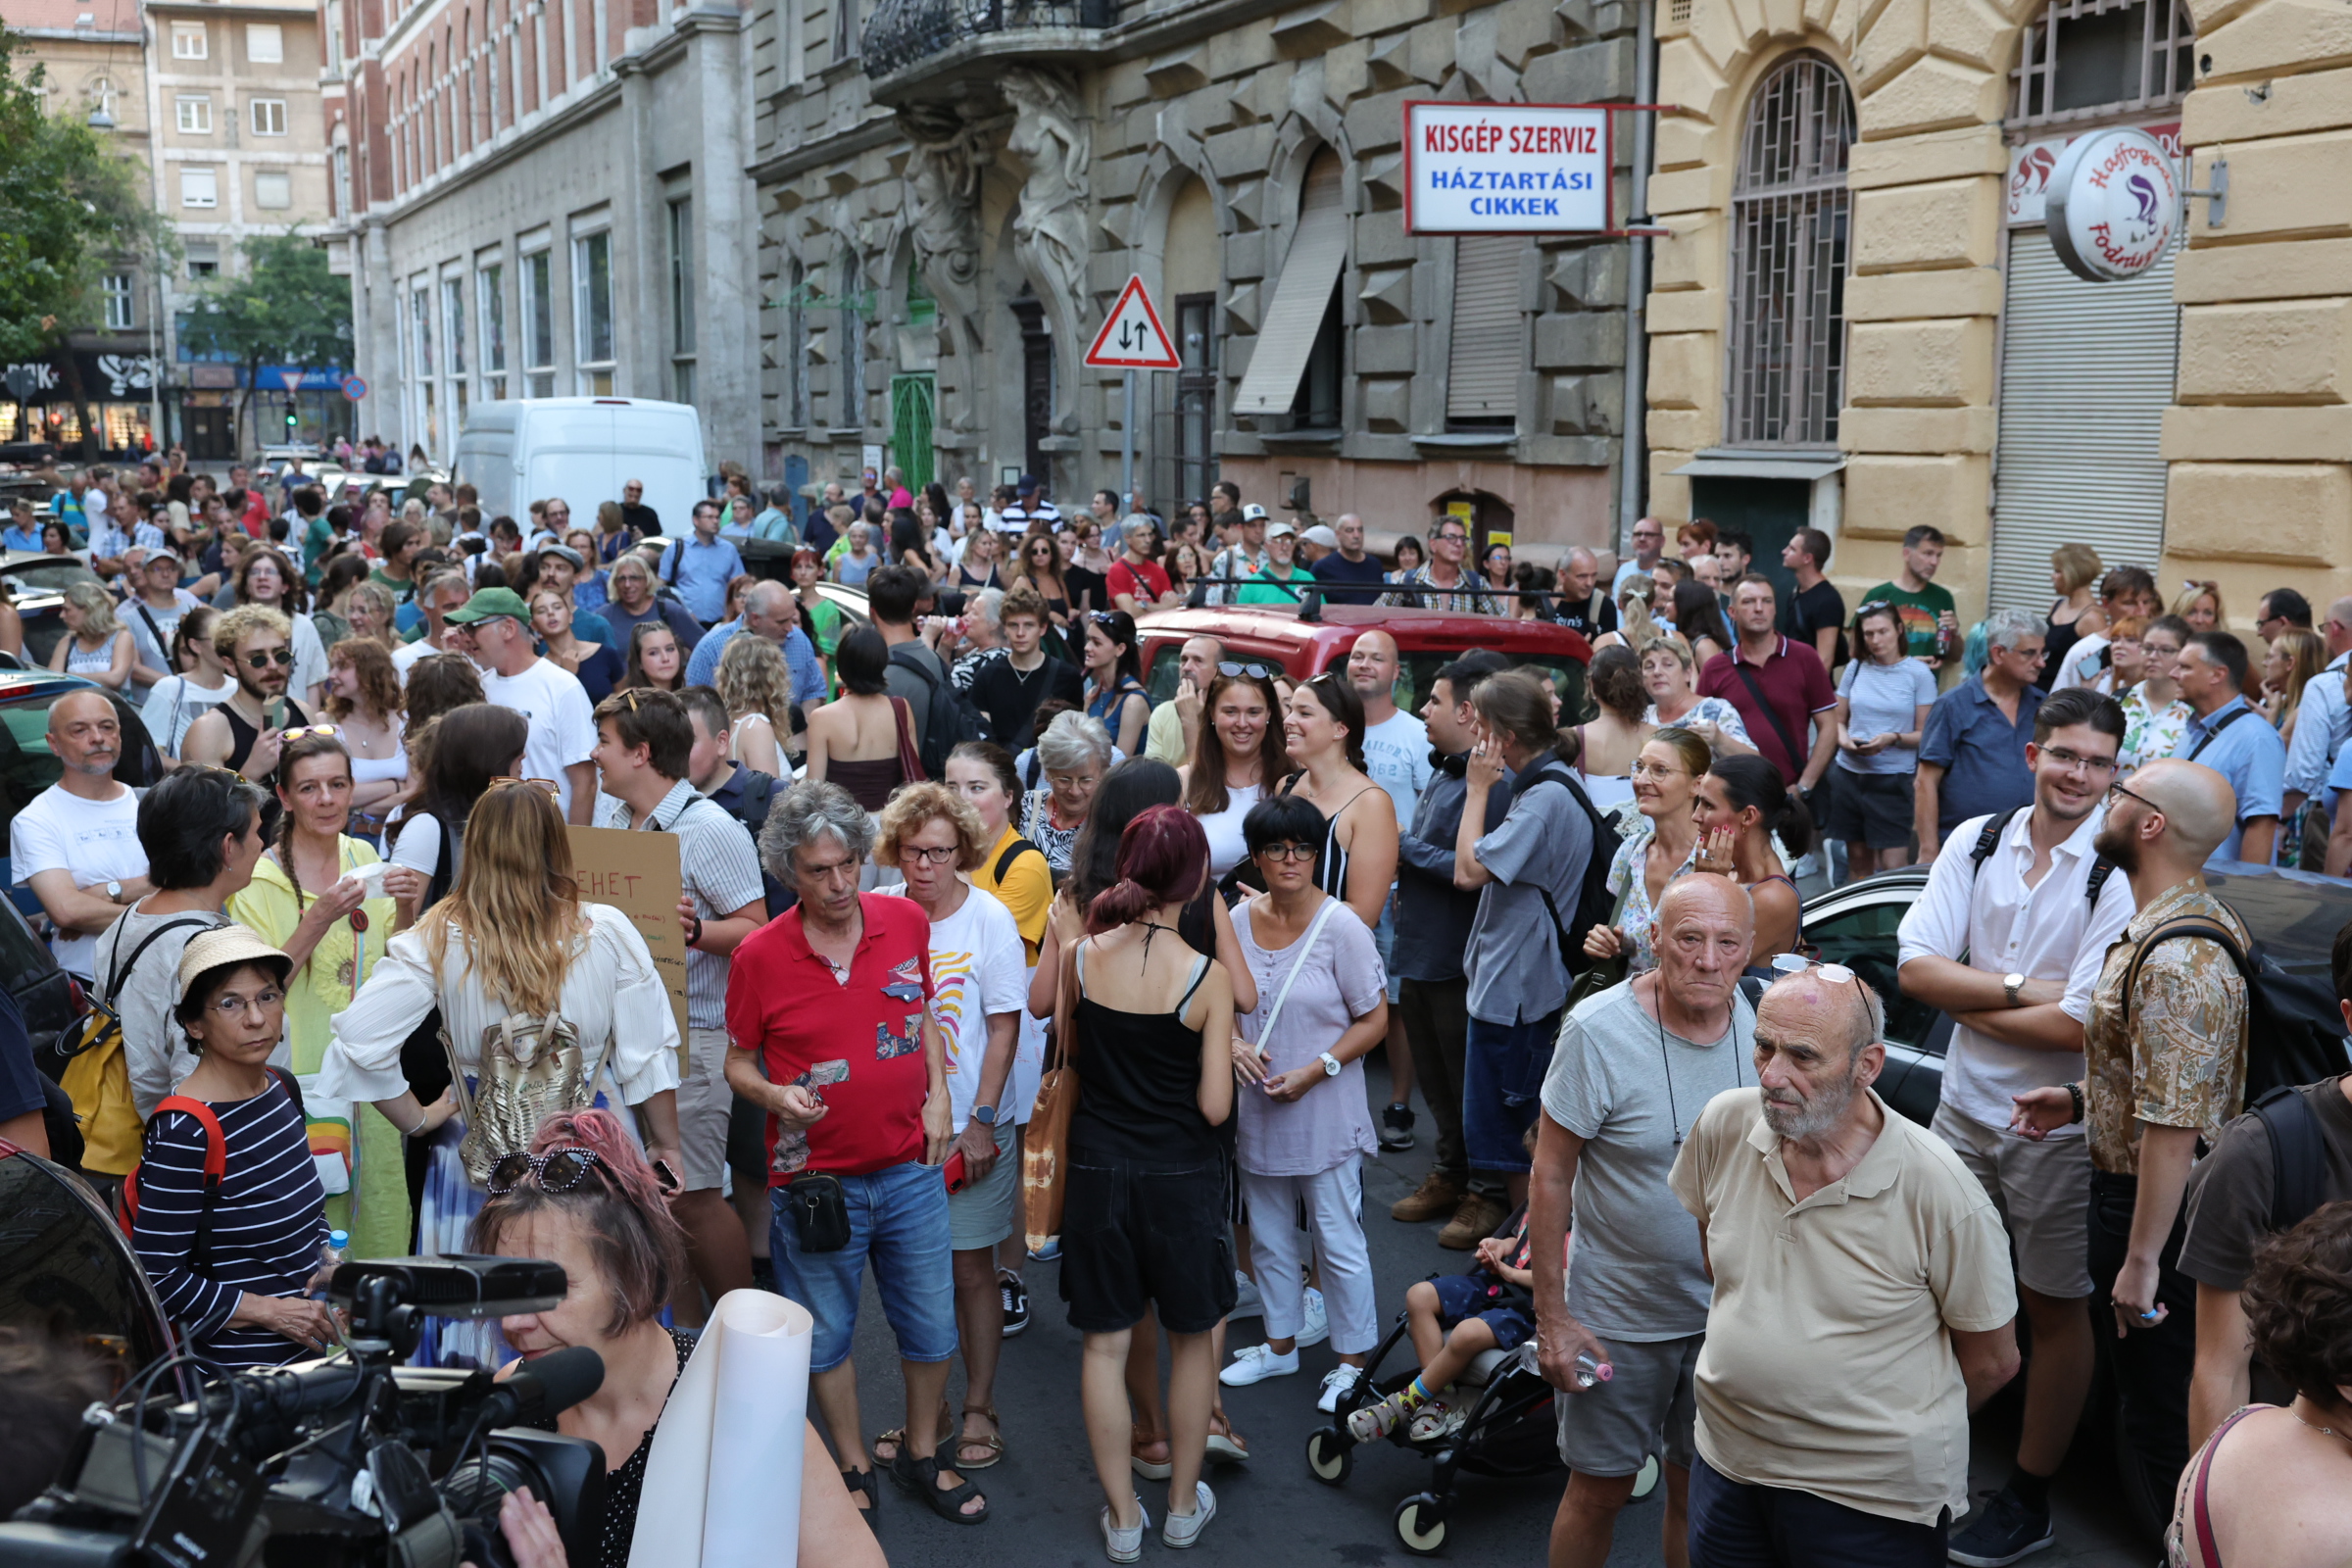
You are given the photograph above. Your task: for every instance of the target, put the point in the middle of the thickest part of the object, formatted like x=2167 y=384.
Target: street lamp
x=100 y=119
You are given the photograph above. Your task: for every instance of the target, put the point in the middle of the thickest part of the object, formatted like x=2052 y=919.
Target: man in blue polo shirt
x=1972 y=756
x=701 y=565
x=769 y=611
x=2227 y=735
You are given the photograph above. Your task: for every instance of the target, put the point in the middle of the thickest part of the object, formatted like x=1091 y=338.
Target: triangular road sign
x=1133 y=338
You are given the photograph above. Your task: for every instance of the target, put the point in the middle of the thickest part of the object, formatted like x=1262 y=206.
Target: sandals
x=864 y=1481
x=1226 y=1447
x=895 y=1437
x=922 y=1476
x=993 y=1442
x=1148 y=1469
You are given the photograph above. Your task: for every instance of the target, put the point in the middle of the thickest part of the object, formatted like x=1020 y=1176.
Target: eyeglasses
x=236 y=1006
x=2117 y=788
x=552 y=788
x=2069 y=758
x=1289 y=851
x=558 y=1171
x=929 y=855
x=262 y=659
x=1797 y=964
x=1641 y=769
x=1253 y=670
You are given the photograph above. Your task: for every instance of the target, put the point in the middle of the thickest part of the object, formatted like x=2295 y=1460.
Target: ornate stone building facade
x=950 y=197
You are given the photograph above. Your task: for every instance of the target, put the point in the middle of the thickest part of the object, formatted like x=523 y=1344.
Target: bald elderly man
x=1863 y=1301
x=1580 y=606
x=769 y=611
x=2164 y=1065
x=77 y=844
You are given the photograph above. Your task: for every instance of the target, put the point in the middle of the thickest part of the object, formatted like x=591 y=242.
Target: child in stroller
x=1453 y=1320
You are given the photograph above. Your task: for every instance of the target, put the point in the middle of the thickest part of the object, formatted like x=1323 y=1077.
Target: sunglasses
x=557 y=1172
x=1798 y=963
x=309 y=729
x=553 y=789
x=1255 y=671
x=280 y=657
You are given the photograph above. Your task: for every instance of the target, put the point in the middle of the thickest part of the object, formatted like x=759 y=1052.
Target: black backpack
x=949 y=717
x=1594 y=903
x=2288 y=1044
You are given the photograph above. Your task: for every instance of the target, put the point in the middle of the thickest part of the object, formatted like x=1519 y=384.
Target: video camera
x=353 y=1462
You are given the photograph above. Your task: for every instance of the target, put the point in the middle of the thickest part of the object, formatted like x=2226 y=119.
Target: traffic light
x=290 y=415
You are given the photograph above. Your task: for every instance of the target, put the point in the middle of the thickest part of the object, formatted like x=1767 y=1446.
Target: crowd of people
x=347 y=958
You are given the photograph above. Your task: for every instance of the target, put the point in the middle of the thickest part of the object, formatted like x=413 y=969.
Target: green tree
x=286 y=308
x=69 y=209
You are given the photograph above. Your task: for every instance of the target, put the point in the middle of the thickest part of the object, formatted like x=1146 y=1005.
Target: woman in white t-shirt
x=178 y=700
x=96 y=646
x=1882 y=702
x=1237 y=755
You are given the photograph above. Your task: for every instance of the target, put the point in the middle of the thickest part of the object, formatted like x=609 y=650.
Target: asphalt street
x=1044 y=1497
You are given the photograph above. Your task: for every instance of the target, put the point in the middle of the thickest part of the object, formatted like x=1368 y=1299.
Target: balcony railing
x=905 y=31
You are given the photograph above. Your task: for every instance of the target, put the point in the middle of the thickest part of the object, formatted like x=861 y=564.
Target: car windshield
x=1565 y=674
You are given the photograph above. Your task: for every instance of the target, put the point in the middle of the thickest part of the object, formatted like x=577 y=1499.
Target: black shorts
x=1137 y=1233
x=1872 y=809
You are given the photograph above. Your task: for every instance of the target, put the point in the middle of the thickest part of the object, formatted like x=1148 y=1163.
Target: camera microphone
x=548 y=1386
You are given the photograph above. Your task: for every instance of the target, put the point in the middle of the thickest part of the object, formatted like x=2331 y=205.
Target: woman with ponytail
x=1742 y=805
x=1149 y=1026
x=585 y=1199
x=303 y=901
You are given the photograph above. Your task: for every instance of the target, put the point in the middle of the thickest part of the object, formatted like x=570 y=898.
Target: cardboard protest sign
x=638 y=873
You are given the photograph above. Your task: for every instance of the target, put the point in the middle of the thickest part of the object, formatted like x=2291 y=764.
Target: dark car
x=2294 y=915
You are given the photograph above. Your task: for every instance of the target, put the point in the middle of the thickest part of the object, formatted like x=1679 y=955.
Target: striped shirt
x=269 y=1222
x=722 y=872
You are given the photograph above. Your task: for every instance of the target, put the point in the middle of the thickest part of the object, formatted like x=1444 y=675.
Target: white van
x=582 y=450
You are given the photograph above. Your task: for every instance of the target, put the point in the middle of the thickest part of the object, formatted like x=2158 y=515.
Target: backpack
x=530 y=1069
x=2298 y=1155
x=1594 y=903
x=949 y=717
x=2100 y=869
x=97 y=1074
x=2286 y=1043
x=1013 y=852
x=216 y=1167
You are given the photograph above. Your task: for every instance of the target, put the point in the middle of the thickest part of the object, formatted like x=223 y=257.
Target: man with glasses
x=1444 y=583
x=2211 y=674
x=245 y=733
x=1972 y=756
x=2321 y=720
x=151 y=607
x=1650 y=548
x=562 y=733
x=645 y=742
x=2281 y=610
x=2008 y=938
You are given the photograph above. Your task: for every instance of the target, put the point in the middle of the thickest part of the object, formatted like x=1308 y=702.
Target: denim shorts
x=1137 y=1233
x=1383 y=940
x=899 y=1220
x=1463 y=1297
x=1502 y=1084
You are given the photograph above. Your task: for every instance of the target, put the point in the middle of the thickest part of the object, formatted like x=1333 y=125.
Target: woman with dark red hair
x=1144 y=1223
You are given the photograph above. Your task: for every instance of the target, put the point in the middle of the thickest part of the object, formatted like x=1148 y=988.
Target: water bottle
x=332 y=1252
x=1589 y=1371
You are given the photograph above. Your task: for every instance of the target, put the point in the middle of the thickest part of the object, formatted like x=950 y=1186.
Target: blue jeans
x=1502 y=1084
x=898 y=1217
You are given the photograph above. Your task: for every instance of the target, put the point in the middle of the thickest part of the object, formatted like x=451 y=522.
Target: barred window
x=2086 y=58
x=1791 y=224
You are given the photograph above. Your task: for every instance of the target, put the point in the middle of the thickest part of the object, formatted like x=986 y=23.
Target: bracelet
x=698 y=932
x=2075 y=1092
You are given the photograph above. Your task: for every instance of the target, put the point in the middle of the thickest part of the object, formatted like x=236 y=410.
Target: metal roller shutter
x=1490 y=340
x=2086 y=374
x=1287 y=337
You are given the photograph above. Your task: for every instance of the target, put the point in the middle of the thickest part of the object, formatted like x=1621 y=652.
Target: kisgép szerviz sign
x=1507 y=169
x=2113 y=206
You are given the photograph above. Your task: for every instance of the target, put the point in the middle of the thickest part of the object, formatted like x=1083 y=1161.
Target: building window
x=188 y=41
x=1490 y=334
x=1195 y=394
x=343 y=181
x=420 y=312
x=681 y=299
x=100 y=93
x=592 y=313
x=119 y=297
x=1299 y=341
x=453 y=318
x=268 y=116
x=199 y=187
x=264 y=43
x=850 y=413
x=845 y=29
x=795 y=351
x=195 y=112
x=2103 y=57
x=490 y=287
x=539 y=324
x=272 y=189
x=204 y=259
x=1789 y=232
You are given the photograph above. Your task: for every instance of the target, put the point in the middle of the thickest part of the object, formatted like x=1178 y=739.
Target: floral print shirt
x=2149 y=734
x=2179 y=1060
x=1628 y=877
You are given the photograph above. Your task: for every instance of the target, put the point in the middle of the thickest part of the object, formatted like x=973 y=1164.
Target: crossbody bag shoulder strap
x=1306 y=942
x=2187 y=926
x=216 y=1171
x=1772 y=715
x=121 y=974
x=2211 y=735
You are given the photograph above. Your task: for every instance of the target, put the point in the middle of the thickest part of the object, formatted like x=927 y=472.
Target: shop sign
x=2031 y=164
x=213 y=377
x=1507 y=168
x=104 y=378
x=2114 y=204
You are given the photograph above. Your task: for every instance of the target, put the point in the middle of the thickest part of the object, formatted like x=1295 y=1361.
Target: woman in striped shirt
x=234 y=1273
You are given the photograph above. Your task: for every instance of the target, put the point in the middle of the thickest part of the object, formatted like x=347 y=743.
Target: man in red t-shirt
x=1137 y=582
x=831 y=1031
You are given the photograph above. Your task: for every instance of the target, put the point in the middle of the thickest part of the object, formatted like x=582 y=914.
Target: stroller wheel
x=1421 y=1524
x=1330 y=1457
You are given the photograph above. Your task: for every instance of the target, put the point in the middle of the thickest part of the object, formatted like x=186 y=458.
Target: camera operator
x=232 y=1271
x=585 y=1197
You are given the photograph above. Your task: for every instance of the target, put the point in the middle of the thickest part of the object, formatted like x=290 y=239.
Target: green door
x=912 y=397
x=1767 y=511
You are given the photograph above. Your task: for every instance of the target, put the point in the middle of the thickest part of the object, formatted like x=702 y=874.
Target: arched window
x=100 y=93
x=1790 y=223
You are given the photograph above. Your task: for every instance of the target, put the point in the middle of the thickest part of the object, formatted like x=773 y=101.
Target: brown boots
x=1474 y=1215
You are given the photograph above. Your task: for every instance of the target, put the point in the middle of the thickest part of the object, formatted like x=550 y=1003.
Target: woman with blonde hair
x=2074 y=578
x=755 y=684
x=2200 y=604
x=363 y=701
x=515 y=962
x=373 y=615
x=1659 y=844
x=1637 y=627
x=96 y=646
x=1667 y=673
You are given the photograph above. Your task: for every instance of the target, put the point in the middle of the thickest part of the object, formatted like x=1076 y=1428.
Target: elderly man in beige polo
x=1863 y=1301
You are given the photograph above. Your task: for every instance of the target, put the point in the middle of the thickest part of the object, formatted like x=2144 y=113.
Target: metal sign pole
x=1127 y=442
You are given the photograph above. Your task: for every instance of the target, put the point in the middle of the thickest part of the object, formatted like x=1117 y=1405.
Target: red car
x=1427 y=640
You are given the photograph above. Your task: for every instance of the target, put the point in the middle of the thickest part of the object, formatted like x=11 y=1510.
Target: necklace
x=1666 y=1062
x=2316 y=1427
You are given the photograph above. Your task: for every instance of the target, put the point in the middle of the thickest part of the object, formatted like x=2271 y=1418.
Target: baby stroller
x=1508 y=1431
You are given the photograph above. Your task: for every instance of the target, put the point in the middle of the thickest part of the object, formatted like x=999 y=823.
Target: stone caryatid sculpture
x=951 y=155
x=1053 y=138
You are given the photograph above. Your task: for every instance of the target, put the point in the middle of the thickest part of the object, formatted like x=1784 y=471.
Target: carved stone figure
x=1053 y=138
x=950 y=159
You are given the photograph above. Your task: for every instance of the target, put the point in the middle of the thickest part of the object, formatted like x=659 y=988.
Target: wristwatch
x=113 y=891
x=985 y=1115
x=2010 y=985
x=1331 y=1064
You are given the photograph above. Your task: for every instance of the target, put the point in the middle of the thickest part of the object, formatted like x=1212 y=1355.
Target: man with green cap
x=563 y=724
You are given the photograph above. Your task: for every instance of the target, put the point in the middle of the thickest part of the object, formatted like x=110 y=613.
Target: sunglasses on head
x=557 y=1171
x=309 y=729
x=549 y=785
x=1255 y=671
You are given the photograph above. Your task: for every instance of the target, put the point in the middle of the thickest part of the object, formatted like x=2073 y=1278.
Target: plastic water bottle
x=332 y=1252
x=1589 y=1371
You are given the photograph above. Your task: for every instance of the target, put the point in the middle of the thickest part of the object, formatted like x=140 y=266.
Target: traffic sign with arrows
x=1133 y=339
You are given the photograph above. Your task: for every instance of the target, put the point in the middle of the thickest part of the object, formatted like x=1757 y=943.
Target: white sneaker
x=1247 y=1303
x=1336 y=1383
x=1125 y=1546
x=1184 y=1529
x=1255 y=1364
x=1317 y=1325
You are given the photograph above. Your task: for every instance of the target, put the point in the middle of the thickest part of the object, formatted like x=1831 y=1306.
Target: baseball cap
x=1321 y=535
x=207 y=950
x=1027 y=485
x=1281 y=530
x=488 y=603
x=1253 y=513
